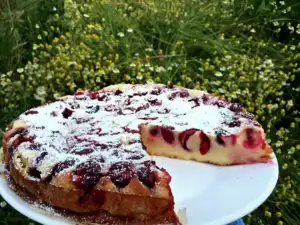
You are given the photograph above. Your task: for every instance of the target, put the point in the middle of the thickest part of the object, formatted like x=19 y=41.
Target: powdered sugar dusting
x=91 y=125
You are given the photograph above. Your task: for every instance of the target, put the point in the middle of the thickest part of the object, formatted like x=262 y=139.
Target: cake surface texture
x=92 y=151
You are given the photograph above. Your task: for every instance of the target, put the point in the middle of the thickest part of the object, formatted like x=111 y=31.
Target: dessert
x=90 y=151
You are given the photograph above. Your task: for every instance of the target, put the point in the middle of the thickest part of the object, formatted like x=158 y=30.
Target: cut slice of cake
x=208 y=129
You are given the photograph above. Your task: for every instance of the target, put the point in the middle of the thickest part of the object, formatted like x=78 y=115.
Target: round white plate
x=211 y=195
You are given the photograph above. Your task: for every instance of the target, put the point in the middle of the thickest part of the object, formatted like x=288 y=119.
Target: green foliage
x=17 y=28
x=247 y=51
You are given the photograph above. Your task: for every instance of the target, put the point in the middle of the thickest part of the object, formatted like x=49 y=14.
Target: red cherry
x=148 y=118
x=132 y=131
x=205 y=98
x=184 y=137
x=121 y=173
x=154 y=102
x=143 y=107
x=221 y=103
x=235 y=107
x=247 y=115
x=102 y=97
x=235 y=123
x=94 y=95
x=79 y=93
x=146 y=174
x=31 y=112
x=167 y=135
x=118 y=92
x=253 y=139
x=67 y=113
x=140 y=94
x=205 y=143
x=220 y=140
x=153 y=131
x=20 y=140
x=156 y=92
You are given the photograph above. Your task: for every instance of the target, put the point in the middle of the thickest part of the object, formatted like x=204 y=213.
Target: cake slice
x=210 y=130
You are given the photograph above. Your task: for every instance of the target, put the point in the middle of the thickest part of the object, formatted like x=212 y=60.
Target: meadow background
x=245 y=50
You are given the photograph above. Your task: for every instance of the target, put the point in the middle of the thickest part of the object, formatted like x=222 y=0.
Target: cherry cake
x=91 y=151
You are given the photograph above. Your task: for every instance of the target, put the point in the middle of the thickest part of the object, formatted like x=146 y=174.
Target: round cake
x=90 y=151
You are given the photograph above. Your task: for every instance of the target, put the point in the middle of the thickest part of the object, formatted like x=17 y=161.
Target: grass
x=247 y=51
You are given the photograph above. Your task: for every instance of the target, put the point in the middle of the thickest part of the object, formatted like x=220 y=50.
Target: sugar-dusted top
x=102 y=127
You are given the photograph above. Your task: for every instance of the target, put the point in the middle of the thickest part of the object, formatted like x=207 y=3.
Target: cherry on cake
x=92 y=151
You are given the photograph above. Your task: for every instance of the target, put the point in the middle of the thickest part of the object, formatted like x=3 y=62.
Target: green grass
x=17 y=29
x=247 y=51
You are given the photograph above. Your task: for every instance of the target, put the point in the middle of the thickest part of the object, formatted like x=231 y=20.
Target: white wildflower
x=221 y=90
x=20 y=70
x=290 y=103
x=49 y=77
x=218 y=74
x=160 y=69
x=129 y=30
x=282 y=3
x=115 y=70
x=41 y=90
x=284 y=166
x=252 y=30
x=3 y=204
x=72 y=63
x=56 y=95
x=291 y=28
x=120 y=34
x=139 y=77
x=149 y=49
x=132 y=65
x=90 y=26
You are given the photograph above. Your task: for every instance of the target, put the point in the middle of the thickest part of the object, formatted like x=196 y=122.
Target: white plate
x=211 y=195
